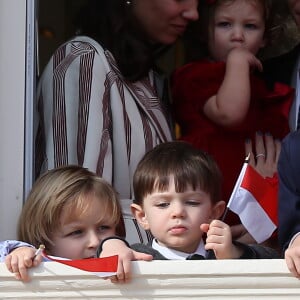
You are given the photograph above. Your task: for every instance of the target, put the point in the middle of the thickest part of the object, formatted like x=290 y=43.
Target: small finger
x=127 y=271
x=291 y=266
x=248 y=147
x=17 y=275
x=28 y=262
x=248 y=150
x=14 y=265
x=270 y=148
x=23 y=271
x=259 y=146
x=119 y=277
x=8 y=263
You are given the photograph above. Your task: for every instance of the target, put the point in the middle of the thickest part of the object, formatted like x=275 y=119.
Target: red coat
x=196 y=82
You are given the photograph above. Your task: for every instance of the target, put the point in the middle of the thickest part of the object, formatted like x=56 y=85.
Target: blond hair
x=65 y=187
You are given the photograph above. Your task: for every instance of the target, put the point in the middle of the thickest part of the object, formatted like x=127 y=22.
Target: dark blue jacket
x=289 y=188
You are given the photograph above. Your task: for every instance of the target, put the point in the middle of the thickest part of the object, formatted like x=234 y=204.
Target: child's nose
x=237 y=34
x=93 y=240
x=178 y=211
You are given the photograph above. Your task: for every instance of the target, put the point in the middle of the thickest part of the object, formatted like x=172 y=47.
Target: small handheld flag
x=254 y=200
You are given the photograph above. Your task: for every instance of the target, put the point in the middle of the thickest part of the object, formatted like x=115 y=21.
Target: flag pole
x=237 y=185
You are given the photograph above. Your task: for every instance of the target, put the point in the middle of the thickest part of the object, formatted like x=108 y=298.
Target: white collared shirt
x=177 y=255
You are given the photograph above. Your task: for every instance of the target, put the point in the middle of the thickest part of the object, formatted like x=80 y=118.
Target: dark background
x=55 y=22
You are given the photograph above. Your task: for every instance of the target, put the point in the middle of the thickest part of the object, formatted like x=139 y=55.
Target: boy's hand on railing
x=126 y=255
x=20 y=260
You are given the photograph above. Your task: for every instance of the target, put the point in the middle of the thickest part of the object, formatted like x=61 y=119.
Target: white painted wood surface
x=223 y=279
x=12 y=93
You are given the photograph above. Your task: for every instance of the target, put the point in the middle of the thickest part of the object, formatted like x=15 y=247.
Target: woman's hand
x=264 y=158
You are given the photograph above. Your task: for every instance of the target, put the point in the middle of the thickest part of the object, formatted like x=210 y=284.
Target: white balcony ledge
x=223 y=279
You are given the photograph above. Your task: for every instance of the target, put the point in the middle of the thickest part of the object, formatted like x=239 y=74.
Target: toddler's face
x=80 y=237
x=238 y=23
x=175 y=218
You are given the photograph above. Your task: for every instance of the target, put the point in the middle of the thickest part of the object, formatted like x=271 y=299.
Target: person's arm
x=8 y=246
x=289 y=189
x=74 y=113
x=118 y=246
x=19 y=257
x=289 y=201
x=230 y=105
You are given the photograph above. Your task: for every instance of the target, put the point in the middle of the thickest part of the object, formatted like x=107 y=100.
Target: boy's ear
x=139 y=214
x=218 y=209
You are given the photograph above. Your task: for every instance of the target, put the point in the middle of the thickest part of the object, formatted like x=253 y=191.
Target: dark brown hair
x=196 y=37
x=113 y=24
x=188 y=166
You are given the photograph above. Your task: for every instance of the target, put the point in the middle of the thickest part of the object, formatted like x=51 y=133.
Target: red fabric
x=104 y=264
x=193 y=84
x=264 y=190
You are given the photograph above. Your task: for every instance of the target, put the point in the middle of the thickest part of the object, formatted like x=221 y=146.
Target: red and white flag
x=102 y=267
x=255 y=200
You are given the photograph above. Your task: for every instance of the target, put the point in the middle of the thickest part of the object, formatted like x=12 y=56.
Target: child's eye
x=224 y=24
x=250 y=26
x=104 y=227
x=192 y=202
x=76 y=232
x=162 y=204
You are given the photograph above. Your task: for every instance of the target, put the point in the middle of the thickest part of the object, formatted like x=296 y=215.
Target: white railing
x=222 y=279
